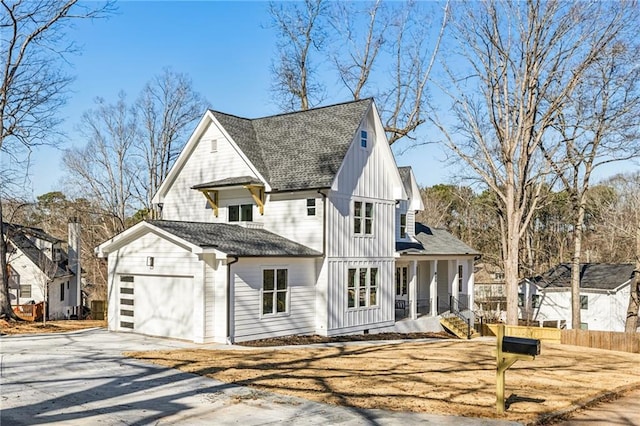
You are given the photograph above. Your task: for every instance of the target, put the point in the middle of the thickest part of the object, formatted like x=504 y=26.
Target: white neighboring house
x=604 y=296
x=37 y=261
x=297 y=223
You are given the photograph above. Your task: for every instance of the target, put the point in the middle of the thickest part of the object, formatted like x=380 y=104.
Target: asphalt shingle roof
x=299 y=150
x=235 y=240
x=405 y=175
x=596 y=276
x=232 y=181
x=434 y=241
x=18 y=236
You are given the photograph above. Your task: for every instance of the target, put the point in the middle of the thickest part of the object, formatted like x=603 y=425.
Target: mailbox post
x=509 y=350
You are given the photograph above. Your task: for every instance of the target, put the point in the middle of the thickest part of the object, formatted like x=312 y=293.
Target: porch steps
x=457 y=326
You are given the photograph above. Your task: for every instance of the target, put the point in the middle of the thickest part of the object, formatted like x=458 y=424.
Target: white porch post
x=454 y=282
x=413 y=290
x=433 y=287
x=471 y=284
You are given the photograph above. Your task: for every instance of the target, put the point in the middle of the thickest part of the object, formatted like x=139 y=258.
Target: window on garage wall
x=275 y=291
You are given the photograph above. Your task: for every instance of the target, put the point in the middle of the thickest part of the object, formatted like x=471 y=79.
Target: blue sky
x=226 y=49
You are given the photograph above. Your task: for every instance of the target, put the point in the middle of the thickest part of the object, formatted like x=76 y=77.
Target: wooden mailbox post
x=510 y=350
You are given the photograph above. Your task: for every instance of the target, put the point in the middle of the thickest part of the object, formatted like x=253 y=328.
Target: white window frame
x=274 y=292
x=213 y=145
x=240 y=216
x=311 y=207
x=460 y=281
x=364 y=138
x=361 y=287
x=363 y=218
x=584 y=302
x=403 y=226
x=402 y=280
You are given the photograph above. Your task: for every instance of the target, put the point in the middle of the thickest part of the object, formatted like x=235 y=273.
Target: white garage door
x=162 y=306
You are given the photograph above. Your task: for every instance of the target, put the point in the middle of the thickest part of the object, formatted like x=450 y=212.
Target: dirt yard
x=25 y=327
x=454 y=377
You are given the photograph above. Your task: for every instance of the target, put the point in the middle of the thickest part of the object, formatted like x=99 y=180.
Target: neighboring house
x=604 y=296
x=37 y=262
x=489 y=295
x=297 y=223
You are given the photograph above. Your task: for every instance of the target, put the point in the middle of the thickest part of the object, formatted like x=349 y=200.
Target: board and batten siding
x=343 y=319
x=402 y=208
x=186 y=204
x=249 y=323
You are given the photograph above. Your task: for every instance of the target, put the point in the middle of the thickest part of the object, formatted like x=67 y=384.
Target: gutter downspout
x=324 y=222
x=235 y=260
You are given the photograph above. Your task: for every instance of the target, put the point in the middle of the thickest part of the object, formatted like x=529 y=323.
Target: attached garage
x=156 y=305
x=202 y=282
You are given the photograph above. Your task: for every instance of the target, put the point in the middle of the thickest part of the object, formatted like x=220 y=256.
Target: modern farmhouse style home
x=297 y=223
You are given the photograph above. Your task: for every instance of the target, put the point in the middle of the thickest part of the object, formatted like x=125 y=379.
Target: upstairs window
x=25 y=290
x=274 y=291
x=311 y=206
x=363 y=138
x=241 y=213
x=536 y=300
x=362 y=218
x=403 y=226
x=584 y=302
x=213 y=145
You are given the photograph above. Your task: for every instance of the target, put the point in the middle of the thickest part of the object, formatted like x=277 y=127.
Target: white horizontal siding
x=286 y=215
x=249 y=324
x=183 y=203
x=342 y=318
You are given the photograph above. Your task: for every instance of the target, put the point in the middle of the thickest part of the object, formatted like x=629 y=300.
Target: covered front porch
x=430 y=286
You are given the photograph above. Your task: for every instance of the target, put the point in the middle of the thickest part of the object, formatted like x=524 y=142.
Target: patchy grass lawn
x=26 y=327
x=453 y=377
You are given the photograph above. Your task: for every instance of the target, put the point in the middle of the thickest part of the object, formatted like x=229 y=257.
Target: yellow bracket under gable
x=257 y=193
x=212 y=199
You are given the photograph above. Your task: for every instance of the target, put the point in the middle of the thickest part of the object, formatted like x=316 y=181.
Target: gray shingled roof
x=434 y=241
x=299 y=150
x=405 y=175
x=232 y=181
x=596 y=276
x=18 y=236
x=235 y=240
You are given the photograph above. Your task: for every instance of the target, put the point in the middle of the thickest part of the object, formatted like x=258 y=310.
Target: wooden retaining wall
x=613 y=341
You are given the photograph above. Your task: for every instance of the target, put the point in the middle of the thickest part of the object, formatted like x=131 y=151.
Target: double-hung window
x=403 y=225
x=311 y=206
x=363 y=138
x=362 y=218
x=362 y=287
x=241 y=213
x=275 y=290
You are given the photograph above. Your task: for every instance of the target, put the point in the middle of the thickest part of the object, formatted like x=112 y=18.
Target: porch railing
x=457 y=308
x=30 y=311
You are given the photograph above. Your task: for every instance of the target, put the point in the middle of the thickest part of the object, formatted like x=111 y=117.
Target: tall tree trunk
x=575 y=266
x=631 y=324
x=512 y=239
x=5 y=300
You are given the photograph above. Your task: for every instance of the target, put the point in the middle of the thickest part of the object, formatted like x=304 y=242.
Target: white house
x=604 y=296
x=40 y=268
x=297 y=223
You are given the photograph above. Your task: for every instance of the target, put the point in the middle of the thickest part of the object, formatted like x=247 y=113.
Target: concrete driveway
x=81 y=378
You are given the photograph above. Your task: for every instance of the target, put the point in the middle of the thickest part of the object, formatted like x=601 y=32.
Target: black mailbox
x=520 y=345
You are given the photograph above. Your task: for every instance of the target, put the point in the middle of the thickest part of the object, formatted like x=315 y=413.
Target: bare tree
x=300 y=28
x=167 y=106
x=597 y=127
x=524 y=60
x=32 y=84
x=105 y=169
x=622 y=227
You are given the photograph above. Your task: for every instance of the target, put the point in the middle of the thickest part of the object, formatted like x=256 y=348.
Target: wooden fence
x=613 y=341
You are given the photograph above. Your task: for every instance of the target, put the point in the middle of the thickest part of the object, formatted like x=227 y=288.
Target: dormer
x=406 y=209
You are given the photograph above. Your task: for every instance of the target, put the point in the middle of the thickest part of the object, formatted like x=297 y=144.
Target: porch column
x=433 y=287
x=453 y=282
x=471 y=284
x=413 y=289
